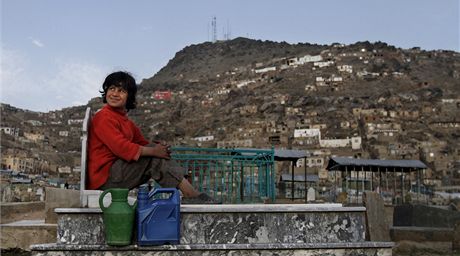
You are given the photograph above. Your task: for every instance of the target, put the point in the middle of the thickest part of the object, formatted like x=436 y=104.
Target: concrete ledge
x=252 y=208
x=77 y=210
x=28 y=223
x=243 y=208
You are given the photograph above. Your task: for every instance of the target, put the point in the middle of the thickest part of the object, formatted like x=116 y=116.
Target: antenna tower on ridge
x=214 y=29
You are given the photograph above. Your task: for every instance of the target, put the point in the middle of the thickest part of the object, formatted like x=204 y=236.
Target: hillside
x=402 y=103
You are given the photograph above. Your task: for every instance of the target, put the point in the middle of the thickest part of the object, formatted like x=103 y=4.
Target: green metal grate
x=231 y=175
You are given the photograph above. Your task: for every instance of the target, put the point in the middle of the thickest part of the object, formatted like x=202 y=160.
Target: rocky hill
x=401 y=103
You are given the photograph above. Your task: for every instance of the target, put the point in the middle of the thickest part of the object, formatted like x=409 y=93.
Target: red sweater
x=112 y=136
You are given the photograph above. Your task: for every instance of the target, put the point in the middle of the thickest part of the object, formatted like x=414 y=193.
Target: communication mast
x=214 y=29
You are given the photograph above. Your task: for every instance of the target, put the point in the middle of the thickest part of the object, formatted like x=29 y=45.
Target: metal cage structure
x=230 y=175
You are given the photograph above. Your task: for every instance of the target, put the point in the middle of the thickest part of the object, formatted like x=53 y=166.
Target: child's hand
x=162 y=151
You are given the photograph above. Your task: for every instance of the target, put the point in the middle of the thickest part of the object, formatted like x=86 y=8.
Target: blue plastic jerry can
x=158 y=220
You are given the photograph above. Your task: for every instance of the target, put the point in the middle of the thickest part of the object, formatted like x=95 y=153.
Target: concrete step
x=280 y=249
x=235 y=224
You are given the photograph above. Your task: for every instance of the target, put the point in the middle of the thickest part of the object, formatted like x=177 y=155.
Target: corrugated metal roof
x=337 y=162
x=288 y=177
x=283 y=154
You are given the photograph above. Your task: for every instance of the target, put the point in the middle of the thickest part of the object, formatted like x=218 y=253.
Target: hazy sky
x=56 y=53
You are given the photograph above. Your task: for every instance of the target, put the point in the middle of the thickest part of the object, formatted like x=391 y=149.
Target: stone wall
x=24 y=235
x=424 y=216
x=11 y=212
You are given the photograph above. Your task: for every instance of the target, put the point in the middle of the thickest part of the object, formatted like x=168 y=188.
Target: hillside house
x=311 y=161
x=64 y=170
x=281 y=98
x=35 y=137
x=320 y=81
x=24 y=164
x=445 y=124
x=247 y=143
x=318 y=126
x=52 y=115
x=321 y=64
x=204 y=138
x=397 y=74
x=207 y=102
x=408 y=115
x=345 y=124
x=306 y=141
x=244 y=83
x=311 y=113
x=248 y=110
x=303 y=60
x=284 y=66
x=353 y=142
x=450 y=101
x=250 y=132
x=345 y=68
x=259 y=123
x=10 y=131
x=358 y=112
x=307 y=137
x=75 y=130
x=310 y=88
x=265 y=70
x=335 y=79
x=275 y=139
x=404 y=151
x=223 y=91
x=64 y=133
x=259 y=64
x=282 y=128
x=302 y=133
x=367 y=75
x=35 y=122
x=292 y=111
x=382 y=130
x=74 y=121
x=162 y=95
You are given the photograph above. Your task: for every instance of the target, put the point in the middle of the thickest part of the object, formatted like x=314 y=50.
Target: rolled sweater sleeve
x=138 y=137
x=117 y=136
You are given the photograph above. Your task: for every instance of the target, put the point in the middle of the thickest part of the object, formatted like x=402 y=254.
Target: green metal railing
x=230 y=175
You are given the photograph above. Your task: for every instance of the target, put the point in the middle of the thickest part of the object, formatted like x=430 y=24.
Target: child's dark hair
x=124 y=80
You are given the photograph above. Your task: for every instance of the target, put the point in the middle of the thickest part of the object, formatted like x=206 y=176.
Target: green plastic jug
x=118 y=217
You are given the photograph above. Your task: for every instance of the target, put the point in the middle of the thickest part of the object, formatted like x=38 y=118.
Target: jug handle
x=134 y=205
x=101 y=199
x=173 y=191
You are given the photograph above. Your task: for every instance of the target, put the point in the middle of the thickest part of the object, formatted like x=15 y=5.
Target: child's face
x=116 y=97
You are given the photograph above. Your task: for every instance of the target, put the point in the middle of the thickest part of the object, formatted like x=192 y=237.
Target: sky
x=56 y=54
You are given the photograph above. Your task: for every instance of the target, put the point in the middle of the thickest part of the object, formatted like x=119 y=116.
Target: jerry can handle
x=173 y=191
x=101 y=199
